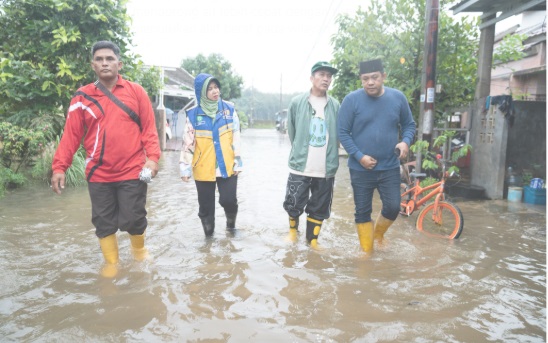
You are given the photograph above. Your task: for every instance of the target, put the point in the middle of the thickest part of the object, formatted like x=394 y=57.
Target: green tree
x=148 y=77
x=394 y=32
x=244 y=121
x=509 y=49
x=263 y=106
x=45 y=53
x=218 y=66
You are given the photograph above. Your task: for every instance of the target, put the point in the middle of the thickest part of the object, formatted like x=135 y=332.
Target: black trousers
x=227 y=195
x=118 y=205
x=311 y=194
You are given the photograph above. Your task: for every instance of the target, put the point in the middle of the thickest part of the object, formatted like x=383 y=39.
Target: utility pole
x=428 y=84
x=161 y=119
x=281 y=106
x=250 y=119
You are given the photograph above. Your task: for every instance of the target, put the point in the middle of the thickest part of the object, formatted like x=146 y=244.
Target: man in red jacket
x=114 y=119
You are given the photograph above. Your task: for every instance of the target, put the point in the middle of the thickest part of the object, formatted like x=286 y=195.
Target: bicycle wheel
x=446 y=223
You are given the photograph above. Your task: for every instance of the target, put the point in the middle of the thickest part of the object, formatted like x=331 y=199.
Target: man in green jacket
x=314 y=157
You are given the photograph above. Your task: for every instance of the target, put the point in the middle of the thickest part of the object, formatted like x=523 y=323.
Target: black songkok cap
x=371 y=66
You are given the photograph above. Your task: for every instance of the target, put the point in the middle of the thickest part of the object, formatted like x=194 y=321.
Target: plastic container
x=513 y=179
x=534 y=196
x=515 y=194
x=537 y=183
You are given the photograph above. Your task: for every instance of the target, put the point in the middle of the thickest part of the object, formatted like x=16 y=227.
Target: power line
x=320 y=33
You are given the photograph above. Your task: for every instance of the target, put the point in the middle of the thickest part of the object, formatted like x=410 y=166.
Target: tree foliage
x=45 y=53
x=509 y=49
x=394 y=32
x=148 y=77
x=262 y=106
x=219 y=67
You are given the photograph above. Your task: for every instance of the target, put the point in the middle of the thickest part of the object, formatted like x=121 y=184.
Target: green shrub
x=9 y=179
x=18 y=146
x=428 y=162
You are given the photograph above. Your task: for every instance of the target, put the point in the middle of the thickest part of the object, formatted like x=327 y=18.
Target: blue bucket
x=515 y=194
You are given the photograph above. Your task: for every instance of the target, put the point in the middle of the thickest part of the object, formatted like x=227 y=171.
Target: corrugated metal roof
x=498 y=5
x=506 y=8
x=178 y=82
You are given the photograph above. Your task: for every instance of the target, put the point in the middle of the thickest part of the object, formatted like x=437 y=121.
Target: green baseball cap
x=324 y=65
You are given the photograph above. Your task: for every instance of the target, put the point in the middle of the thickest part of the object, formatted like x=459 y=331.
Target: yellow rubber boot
x=138 y=249
x=109 y=247
x=381 y=225
x=293 y=229
x=313 y=227
x=365 y=235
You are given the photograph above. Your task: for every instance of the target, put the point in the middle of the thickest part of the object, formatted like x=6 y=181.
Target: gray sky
x=268 y=43
x=271 y=44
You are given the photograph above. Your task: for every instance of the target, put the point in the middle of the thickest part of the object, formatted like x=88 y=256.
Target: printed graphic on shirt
x=318 y=132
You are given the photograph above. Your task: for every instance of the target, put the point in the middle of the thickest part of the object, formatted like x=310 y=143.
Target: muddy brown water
x=489 y=285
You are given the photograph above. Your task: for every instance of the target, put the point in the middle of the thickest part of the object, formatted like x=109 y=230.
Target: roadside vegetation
x=44 y=59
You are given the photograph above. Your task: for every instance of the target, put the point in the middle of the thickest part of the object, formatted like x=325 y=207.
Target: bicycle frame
x=416 y=201
x=439 y=218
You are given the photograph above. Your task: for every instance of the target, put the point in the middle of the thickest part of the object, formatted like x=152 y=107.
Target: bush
x=19 y=146
x=9 y=179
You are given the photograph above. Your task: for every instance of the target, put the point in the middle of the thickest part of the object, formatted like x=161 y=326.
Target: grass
x=75 y=174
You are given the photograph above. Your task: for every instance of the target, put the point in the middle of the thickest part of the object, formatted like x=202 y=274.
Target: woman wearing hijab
x=211 y=152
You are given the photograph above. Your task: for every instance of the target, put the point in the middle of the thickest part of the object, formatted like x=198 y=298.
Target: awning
x=176 y=91
x=507 y=8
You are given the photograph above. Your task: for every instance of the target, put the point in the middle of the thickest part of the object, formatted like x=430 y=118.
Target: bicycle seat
x=417 y=175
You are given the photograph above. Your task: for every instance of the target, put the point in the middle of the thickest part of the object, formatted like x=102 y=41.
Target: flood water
x=489 y=285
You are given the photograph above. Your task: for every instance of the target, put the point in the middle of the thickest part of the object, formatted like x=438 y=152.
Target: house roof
x=507 y=8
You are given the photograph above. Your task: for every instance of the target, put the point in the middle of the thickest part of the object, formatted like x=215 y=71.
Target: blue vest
x=213 y=136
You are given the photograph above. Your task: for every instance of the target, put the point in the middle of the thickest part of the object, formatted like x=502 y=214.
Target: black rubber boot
x=231 y=221
x=209 y=225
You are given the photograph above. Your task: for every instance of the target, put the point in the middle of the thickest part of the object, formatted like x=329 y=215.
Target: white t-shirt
x=317 y=144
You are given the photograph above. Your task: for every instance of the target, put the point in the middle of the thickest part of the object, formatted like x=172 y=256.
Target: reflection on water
x=490 y=285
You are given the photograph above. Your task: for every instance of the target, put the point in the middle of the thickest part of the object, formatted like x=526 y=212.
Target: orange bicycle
x=440 y=218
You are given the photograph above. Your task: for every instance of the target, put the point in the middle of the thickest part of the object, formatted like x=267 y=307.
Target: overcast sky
x=271 y=44
x=268 y=43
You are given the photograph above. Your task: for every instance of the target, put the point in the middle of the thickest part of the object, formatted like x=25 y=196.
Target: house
x=176 y=96
x=524 y=79
x=508 y=116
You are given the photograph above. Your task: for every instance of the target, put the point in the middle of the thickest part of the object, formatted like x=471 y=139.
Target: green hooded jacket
x=299 y=115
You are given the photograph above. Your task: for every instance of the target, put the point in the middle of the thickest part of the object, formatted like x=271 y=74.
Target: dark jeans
x=387 y=183
x=311 y=194
x=227 y=195
x=118 y=205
